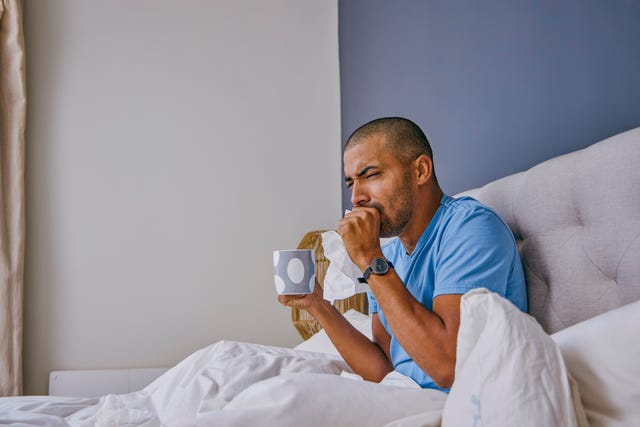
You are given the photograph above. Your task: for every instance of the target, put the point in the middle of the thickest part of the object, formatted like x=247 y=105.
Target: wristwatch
x=378 y=266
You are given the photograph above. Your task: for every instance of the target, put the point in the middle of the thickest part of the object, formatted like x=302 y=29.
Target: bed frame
x=576 y=220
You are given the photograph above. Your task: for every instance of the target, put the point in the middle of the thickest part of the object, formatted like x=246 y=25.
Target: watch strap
x=369 y=271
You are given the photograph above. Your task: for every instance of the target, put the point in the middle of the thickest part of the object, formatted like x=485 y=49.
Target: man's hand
x=360 y=232
x=303 y=302
x=366 y=358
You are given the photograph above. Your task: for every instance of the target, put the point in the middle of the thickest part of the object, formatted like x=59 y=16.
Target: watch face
x=379 y=266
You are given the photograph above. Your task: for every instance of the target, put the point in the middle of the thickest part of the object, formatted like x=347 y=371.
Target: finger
x=360 y=209
x=285 y=299
x=298 y=303
x=343 y=226
x=356 y=213
x=291 y=300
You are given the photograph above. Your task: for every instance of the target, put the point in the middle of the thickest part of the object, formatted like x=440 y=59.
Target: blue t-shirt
x=465 y=246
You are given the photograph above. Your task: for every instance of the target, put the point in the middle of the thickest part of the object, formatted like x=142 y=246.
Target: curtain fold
x=12 y=198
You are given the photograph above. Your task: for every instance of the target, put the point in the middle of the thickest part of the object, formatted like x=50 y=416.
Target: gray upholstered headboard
x=576 y=219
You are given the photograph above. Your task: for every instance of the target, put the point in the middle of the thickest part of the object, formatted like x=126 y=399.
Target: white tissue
x=341 y=280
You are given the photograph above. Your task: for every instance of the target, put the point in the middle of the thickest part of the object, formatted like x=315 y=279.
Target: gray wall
x=171 y=146
x=497 y=86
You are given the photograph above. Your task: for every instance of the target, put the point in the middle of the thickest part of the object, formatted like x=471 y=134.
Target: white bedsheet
x=508 y=372
x=238 y=384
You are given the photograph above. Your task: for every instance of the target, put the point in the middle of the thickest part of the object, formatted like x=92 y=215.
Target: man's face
x=378 y=179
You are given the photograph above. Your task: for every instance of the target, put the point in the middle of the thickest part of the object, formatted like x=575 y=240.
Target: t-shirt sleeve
x=373 y=304
x=477 y=250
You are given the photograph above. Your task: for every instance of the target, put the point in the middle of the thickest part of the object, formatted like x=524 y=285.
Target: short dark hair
x=404 y=137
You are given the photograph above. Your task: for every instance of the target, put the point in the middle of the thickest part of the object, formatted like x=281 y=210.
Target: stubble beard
x=391 y=227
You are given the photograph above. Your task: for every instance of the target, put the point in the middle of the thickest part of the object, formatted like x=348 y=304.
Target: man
x=444 y=248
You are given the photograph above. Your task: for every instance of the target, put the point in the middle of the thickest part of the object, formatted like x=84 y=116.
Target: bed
x=572 y=361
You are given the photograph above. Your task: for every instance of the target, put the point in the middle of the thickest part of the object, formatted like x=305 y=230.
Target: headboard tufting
x=576 y=219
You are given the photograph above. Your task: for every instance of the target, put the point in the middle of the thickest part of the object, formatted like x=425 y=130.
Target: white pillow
x=603 y=355
x=508 y=372
x=320 y=342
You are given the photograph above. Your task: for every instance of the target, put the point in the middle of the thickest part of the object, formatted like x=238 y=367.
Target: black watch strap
x=379 y=266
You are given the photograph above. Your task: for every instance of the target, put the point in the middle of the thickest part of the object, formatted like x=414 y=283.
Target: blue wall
x=497 y=86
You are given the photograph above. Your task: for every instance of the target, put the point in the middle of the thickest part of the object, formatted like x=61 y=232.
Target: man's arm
x=368 y=359
x=429 y=337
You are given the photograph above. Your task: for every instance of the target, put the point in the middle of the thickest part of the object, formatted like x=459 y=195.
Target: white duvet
x=241 y=384
x=237 y=384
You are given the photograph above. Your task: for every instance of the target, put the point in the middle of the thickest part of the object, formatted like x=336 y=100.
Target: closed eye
x=365 y=173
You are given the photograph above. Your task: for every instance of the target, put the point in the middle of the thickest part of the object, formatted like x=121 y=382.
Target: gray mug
x=294 y=271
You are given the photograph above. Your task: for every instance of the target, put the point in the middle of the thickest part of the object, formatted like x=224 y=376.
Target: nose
x=358 y=194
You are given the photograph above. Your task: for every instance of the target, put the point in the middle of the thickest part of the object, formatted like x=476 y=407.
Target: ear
x=423 y=169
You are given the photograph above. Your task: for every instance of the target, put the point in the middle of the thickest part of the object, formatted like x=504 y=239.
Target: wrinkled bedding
x=238 y=384
x=508 y=372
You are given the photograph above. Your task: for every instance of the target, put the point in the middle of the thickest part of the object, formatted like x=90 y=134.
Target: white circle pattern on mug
x=294 y=271
x=279 y=284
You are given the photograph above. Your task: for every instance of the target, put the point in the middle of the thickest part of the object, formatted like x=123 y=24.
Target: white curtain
x=12 y=200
